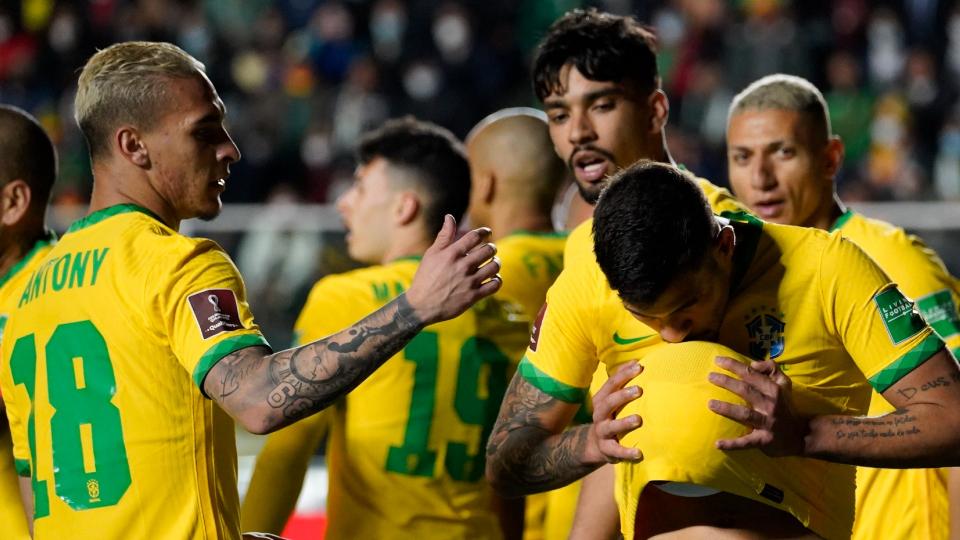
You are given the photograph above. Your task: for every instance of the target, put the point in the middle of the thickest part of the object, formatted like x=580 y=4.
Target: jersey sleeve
x=880 y=328
x=202 y=307
x=561 y=358
x=934 y=290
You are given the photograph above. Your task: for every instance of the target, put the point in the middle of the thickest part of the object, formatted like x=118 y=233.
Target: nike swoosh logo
x=627 y=341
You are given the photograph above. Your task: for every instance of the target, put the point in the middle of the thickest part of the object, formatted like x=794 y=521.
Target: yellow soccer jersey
x=102 y=368
x=813 y=302
x=675 y=386
x=919 y=495
x=11 y=285
x=529 y=263
x=406 y=447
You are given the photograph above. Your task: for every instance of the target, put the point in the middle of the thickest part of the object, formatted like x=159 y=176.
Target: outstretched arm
x=924 y=430
x=265 y=391
x=530 y=452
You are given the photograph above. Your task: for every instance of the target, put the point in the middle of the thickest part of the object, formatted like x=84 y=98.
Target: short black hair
x=27 y=153
x=603 y=47
x=435 y=158
x=651 y=225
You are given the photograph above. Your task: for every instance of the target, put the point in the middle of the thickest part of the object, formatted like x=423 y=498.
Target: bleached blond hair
x=123 y=84
x=786 y=93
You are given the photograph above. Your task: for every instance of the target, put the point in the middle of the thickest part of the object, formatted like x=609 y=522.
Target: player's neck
x=509 y=219
x=112 y=187
x=403 y=247
x=826 y=217
x=14 y=249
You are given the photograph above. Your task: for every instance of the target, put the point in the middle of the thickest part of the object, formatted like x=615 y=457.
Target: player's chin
x=210 y=210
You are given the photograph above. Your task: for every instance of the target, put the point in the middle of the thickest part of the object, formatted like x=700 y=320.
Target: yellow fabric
x=529 y=263
x=11 y=285
x=905 y=503
x=675 y=386
x=810 y=297
x=105 y=328
x=405 y=448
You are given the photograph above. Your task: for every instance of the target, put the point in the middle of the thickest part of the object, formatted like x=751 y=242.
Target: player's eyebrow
x=691 y=300
x=589 y=97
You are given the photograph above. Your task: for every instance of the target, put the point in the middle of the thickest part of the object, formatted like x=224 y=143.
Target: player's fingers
x=759 y=381
x=750 y=440
x=468 y=243
x=490 y=286
x=611 y=429
x=614 y=452
x=738 y=413
x=447 y=232
x=608 y=406
x=488 y=269
x=764 y=367
x=741 y=388
x=479 y=254
x=624 y=373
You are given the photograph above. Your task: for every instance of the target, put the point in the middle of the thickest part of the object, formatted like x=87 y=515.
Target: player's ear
x=659 y=110
x=833 y=156
x=488 y=187
x=15 y=199
x=129 y=143
x=725 y=242
x=408 y=208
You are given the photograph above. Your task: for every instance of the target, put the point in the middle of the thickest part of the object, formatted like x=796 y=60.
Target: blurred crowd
x=302 y=78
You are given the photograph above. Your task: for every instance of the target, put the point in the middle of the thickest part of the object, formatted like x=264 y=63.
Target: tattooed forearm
x=899 y=423
x=523 y=455
x=281 y=388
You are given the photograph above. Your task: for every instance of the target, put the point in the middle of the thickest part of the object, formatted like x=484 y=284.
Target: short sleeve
x=561 y=358
x=879 y=327
x=202 y=306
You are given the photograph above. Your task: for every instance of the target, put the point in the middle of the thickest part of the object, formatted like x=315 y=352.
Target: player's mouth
x=770 y=209
x=589 y=166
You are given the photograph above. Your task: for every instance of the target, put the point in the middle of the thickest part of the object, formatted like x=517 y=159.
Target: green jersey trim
x=22 y=467
x=748 y=238
x=221 y=349
x=900 y=367
x=47 y=239
x=416 y=258
x=109 y=212
x=842 y=220
x=539 y=234
x=550 y=386
x=940 y=312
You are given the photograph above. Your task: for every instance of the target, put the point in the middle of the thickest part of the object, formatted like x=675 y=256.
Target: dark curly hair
x=432 y=155
x=603 y=47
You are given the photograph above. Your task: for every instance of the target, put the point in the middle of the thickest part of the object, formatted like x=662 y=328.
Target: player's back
x=105 y=354
x=529 y=263
x=405 y=455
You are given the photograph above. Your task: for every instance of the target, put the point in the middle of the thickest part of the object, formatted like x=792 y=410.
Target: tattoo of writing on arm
x=899 y=423
x=910 y=392
x=525 y=455
x=304 y=380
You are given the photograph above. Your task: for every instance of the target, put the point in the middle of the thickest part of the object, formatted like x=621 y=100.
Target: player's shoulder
x=382 y=282
x=865 y=230
x=720 y=199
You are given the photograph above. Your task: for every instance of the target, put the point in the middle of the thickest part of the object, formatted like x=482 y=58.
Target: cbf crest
x=765 y=327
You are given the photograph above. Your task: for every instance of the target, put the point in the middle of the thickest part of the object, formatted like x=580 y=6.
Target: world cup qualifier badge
x=215 y=311
x=765 y=328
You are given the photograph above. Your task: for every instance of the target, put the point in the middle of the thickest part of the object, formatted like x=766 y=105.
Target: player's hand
x=775 y=428
x=454 y=274
x=606 y=430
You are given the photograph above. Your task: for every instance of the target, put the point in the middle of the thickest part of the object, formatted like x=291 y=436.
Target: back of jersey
x=113 y=334
x=406 y=450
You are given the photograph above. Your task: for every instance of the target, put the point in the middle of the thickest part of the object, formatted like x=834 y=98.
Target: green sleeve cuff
x=22 y=467
x=221 y=349
x=550 y=386
x=900 y=367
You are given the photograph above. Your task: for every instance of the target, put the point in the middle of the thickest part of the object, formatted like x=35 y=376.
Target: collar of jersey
x=48 y=238
x=540 y=234
x=109 y=212
x=842 y=220
x=406 y=258
x=748 y=236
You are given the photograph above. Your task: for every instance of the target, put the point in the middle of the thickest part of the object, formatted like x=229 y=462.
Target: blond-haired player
x=132 y=346
x=782 y=160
